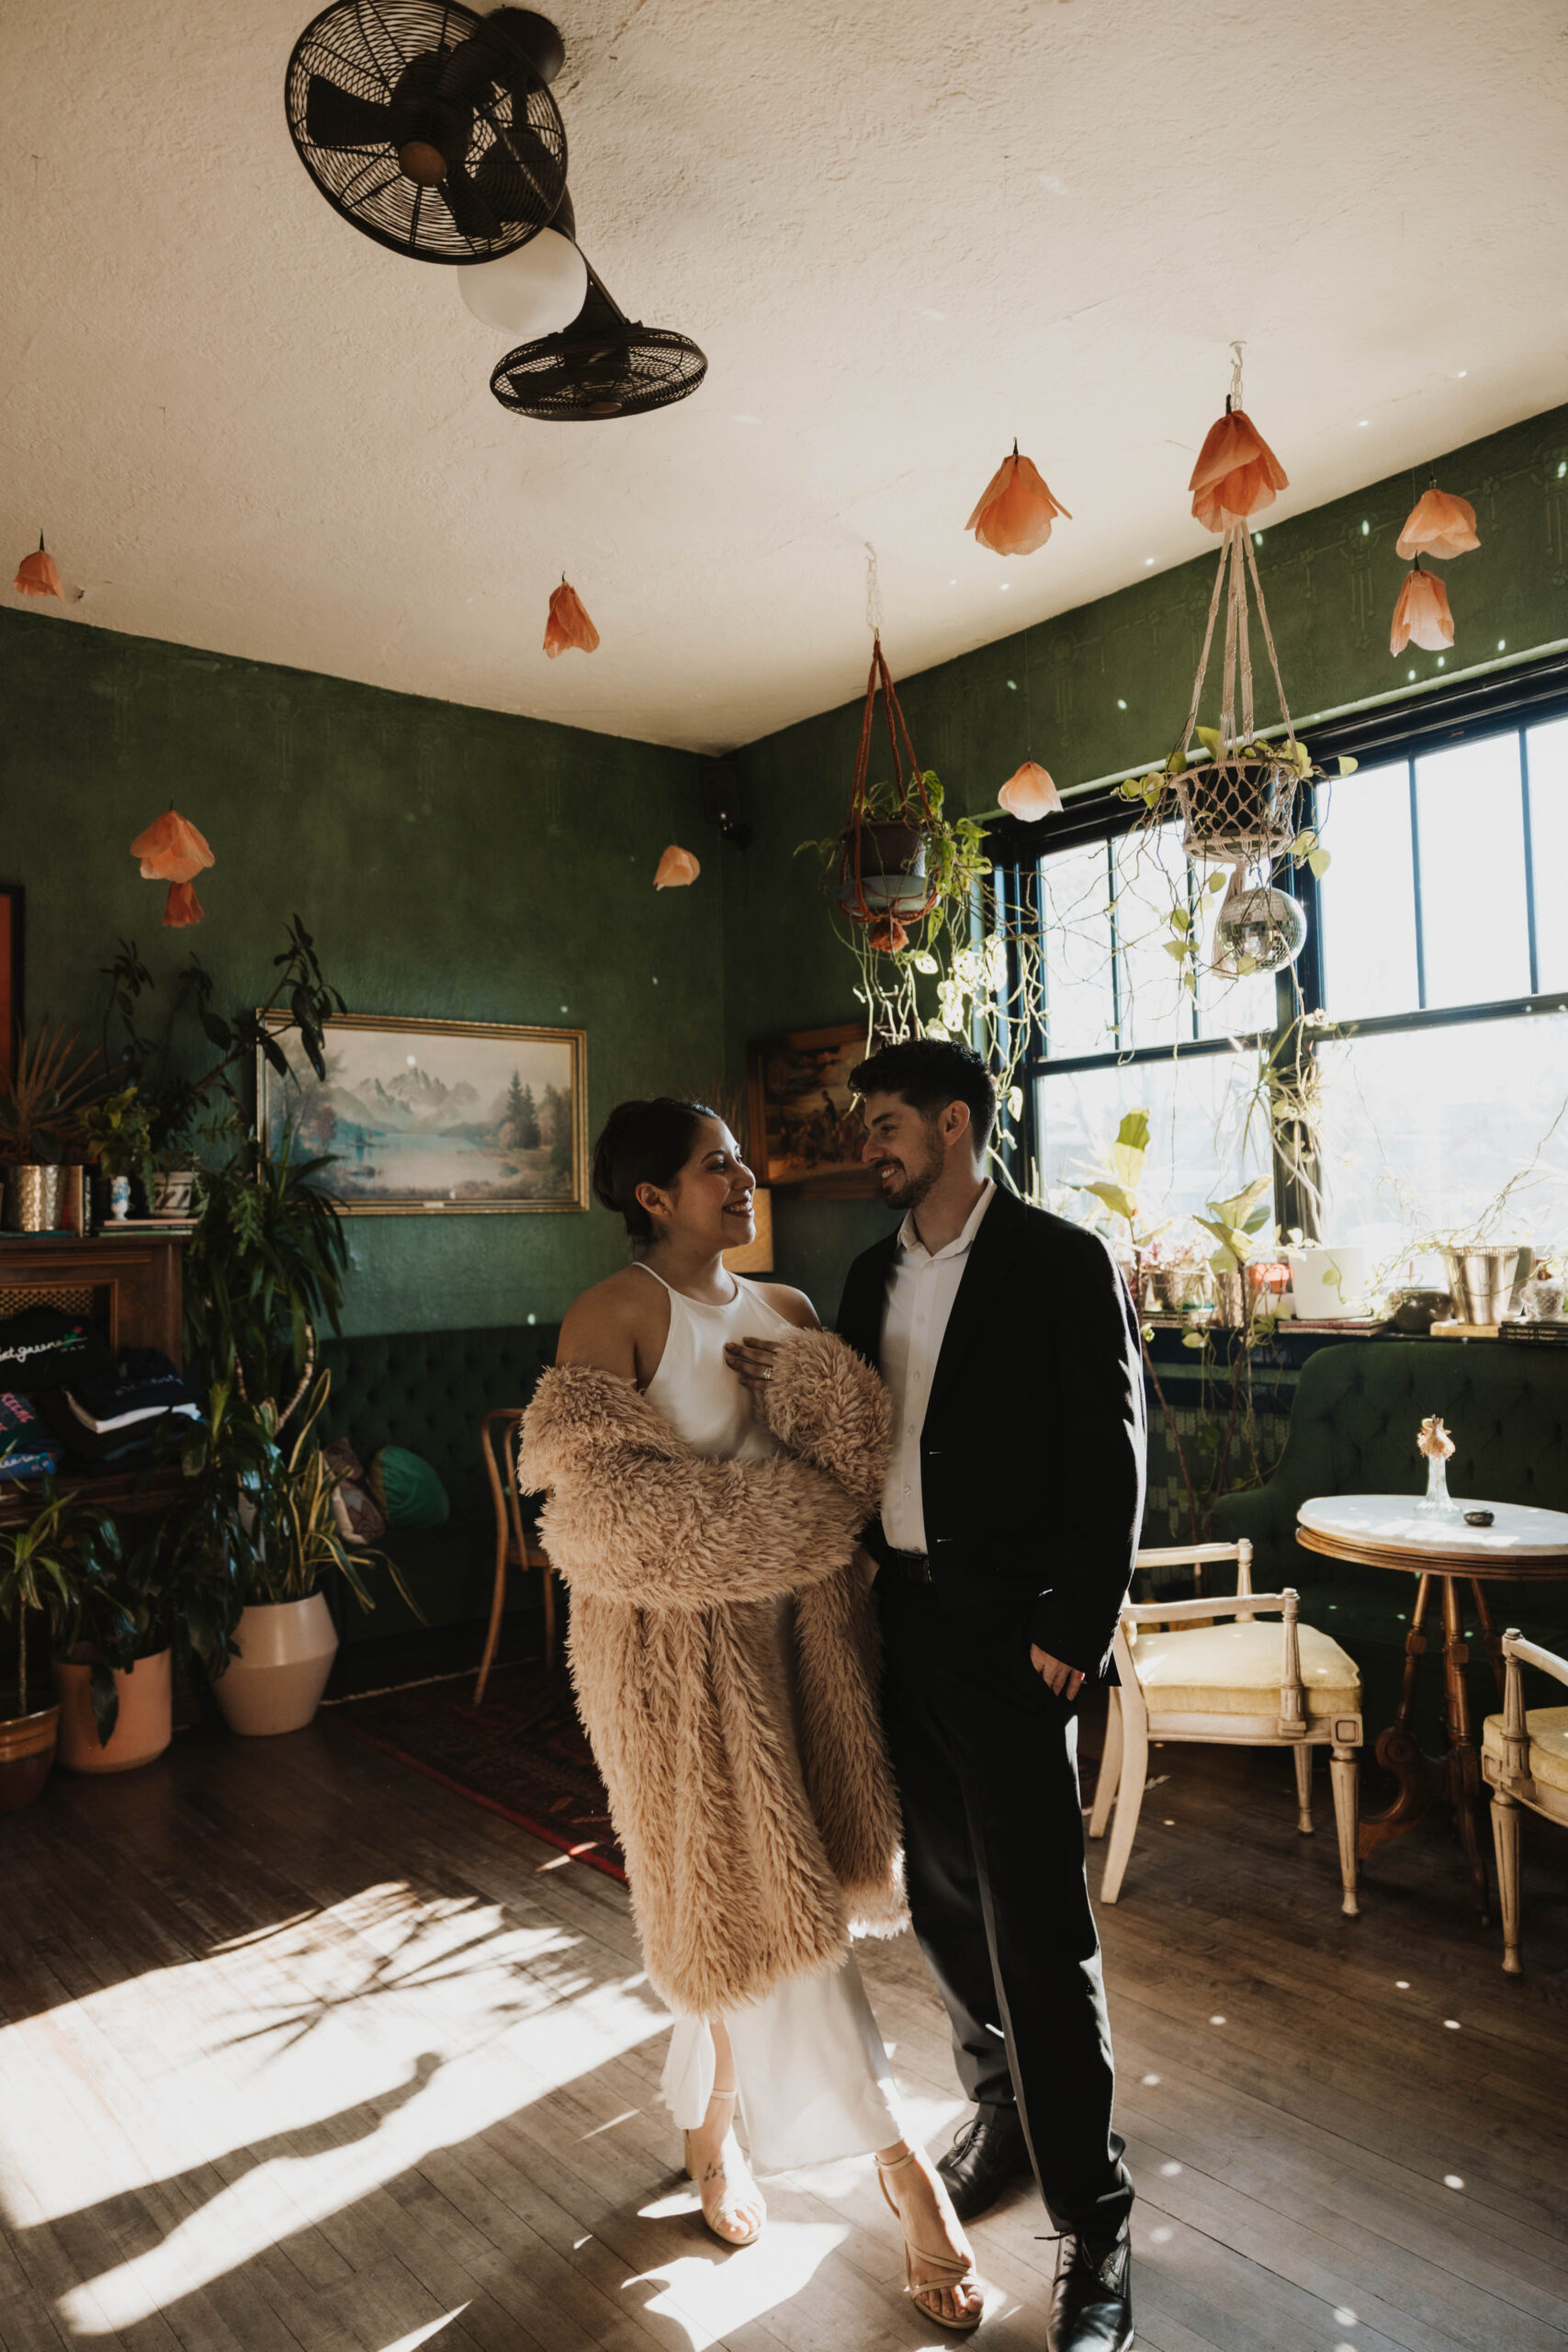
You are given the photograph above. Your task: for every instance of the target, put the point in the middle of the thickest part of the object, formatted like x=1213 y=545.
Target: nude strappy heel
x=727 y=2196
x=952 y=2272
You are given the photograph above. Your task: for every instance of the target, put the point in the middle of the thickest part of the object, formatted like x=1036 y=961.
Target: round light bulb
x=535 y=291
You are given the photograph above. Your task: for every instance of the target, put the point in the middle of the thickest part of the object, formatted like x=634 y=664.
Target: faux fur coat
x=744 y=1869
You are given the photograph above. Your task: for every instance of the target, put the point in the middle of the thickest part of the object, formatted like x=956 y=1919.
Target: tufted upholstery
x=1234 y=1670
x=1357 y=1410
x=428 y=1391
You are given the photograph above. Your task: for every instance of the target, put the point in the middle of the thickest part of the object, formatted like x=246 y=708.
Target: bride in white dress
x=804 y=2067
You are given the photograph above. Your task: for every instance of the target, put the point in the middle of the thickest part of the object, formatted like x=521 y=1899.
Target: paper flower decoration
x=568 y=624
x=1422 y=614
x=38 y=575
x=1434 y=1440
x=1438 y=525
x=1029 y=793
x=1236 y=474
x=1015 y=515
x=182 y=907
x=171 y=849
x=887 y=933
x=676 y=868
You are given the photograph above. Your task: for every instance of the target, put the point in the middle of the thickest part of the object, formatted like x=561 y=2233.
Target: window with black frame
x=1429 y=1007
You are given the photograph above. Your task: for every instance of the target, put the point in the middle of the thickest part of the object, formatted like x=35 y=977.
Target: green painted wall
x=1330 y=577
x=449 y=862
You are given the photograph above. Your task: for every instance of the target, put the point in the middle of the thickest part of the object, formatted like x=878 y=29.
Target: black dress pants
x=985 y=1758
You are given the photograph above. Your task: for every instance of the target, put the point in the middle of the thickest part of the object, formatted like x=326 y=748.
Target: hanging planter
x=1240 y=806
x=882 y=849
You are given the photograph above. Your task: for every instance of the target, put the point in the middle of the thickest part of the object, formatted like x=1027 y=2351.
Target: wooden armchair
x=1525 y=1759
x=1206 y=1671
x=500 y=1437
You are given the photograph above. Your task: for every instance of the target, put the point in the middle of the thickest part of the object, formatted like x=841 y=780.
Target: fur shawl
x=744 y=1869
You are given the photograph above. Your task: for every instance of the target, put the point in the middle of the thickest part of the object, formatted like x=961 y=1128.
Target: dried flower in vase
x=568 y=624
x=1434 y=1440
x=1016 y=511
x=675 y=869
x=1438 y=523
x=1422 y=616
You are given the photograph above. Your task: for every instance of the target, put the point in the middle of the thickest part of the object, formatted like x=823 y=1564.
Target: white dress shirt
x=922 y=1287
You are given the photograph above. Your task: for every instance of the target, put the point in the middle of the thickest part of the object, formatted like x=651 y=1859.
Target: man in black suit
x=1005 y=1546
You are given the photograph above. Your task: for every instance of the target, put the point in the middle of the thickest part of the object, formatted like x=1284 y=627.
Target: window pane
x=1076 y=895
x=1151 y=879
x=1198 y=1150
x=1549 y=849
x=1473 y=927
x=1368 y=895
x=1424 y=1129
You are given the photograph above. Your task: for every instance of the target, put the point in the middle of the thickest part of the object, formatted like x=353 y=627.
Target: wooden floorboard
x=301 y=2052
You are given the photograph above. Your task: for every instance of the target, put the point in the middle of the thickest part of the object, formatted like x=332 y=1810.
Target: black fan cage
x=374 y=81
x=579 y=378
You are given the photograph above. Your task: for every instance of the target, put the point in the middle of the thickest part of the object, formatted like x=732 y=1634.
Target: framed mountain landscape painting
x=431 y=1118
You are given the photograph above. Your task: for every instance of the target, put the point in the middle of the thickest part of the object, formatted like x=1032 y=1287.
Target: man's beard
x=910 y=1186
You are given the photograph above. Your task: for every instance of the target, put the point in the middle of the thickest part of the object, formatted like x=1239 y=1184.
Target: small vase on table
x=1436 y=1444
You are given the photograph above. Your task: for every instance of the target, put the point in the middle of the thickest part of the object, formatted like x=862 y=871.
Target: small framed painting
x=11 y=1011
x=806 y=1132
x=425 y=1118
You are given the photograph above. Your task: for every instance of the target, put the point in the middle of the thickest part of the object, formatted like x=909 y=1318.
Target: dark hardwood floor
x=300 y=2052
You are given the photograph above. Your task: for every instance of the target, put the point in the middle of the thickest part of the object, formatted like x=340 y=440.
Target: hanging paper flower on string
x=1440 y=525
x=1015 y=515
x=1030 y=793
x=676 y=868
x=1237 y=474
x=38 y=575
x=1422 y=616
x=172 y=850
x=568 y=624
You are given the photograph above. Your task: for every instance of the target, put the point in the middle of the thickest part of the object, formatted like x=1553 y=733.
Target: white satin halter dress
x=813 y=2075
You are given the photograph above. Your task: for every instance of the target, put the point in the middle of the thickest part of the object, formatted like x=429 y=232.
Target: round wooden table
x=1524 y=1545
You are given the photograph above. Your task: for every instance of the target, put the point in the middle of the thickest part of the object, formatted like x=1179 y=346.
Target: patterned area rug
x=523 y=1754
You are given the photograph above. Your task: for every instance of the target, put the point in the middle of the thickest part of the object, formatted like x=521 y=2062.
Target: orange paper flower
x=676 y=868
x=1422 y=614
x=1029 y=793
x=1236 y=474
x=38 y=575
x=568 y=624
x=1440 y=524
x=171 y=850
x=182 y=907
x=1015 y=515
x=887 y=933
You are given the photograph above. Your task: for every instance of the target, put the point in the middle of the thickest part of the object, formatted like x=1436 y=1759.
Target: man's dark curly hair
x=930 y=1073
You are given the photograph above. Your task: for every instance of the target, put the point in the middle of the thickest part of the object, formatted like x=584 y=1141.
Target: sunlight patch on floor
x=423 y=2335
x=712 y=2297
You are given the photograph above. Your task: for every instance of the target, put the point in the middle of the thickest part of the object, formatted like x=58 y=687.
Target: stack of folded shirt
x=113 y=1415
x=25 y=1448
x=44 y=1348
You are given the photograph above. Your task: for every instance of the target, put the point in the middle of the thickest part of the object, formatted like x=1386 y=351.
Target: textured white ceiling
x=902 y=232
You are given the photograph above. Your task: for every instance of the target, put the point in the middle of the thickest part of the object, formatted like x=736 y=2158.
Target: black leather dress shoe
x=988 y=2153
x=1091 y=2304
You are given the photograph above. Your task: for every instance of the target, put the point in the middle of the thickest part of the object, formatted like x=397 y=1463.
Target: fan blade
x=468 y=208
x=516 y=190
x=475 y=63
x=339 y=117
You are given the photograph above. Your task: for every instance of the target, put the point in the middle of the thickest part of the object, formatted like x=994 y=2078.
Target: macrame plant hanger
x=914 y=805
x=1240 y=808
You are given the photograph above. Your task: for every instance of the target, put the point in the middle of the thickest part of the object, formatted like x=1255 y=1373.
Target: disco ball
x=1258 y=930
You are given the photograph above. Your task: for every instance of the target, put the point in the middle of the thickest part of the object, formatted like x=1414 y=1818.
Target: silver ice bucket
x=1486 y=1281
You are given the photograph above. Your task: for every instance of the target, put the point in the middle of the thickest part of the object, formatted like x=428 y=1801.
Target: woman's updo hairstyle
x=643 y=1143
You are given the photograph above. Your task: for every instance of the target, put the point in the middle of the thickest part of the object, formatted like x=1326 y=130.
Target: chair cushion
x=1230 y=1670
x=1548 y=1729
x=408 y=1488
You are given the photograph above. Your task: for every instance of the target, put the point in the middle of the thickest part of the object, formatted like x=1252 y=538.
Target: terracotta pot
x=145 y=1724
x=26 y=1751
x=286 y=1648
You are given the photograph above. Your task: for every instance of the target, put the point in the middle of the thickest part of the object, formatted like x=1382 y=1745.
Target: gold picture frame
x=438 y=1118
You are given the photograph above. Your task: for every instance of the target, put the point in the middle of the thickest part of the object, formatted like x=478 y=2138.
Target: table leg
x=1491 y=1637
x=1464 y=1763
x=1421 y=1778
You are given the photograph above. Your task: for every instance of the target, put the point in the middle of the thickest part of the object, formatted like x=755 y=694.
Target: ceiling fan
x=604 y=365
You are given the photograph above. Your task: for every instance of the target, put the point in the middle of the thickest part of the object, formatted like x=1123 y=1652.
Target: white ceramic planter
x=1326 y=1282
x=145 y=1727
x=276 y=1684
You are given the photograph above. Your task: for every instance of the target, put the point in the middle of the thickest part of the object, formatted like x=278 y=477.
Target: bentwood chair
x=1207 y=1670
x=501 y=1435
x=1525 y=1759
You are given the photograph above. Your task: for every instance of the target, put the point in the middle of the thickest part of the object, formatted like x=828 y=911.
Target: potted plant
x=51 y=1077
x=114 y=1640
x=1234 y=1225
x=256 y=1533
x=66 y=1546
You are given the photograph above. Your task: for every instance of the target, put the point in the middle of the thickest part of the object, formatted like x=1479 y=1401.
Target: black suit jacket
x=1032 y=1457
